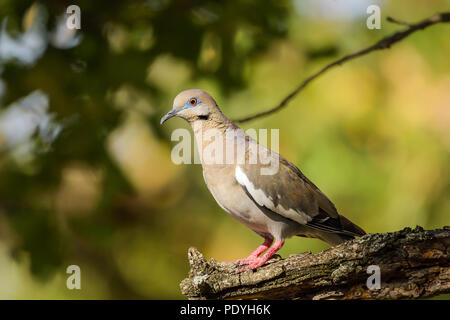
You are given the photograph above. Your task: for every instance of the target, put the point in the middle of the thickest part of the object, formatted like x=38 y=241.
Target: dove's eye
x=193 y=101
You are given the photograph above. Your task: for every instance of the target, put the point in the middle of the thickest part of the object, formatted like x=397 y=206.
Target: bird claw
x=244 y=261
x=256 y=263
x=248 y=260
x=238 y=262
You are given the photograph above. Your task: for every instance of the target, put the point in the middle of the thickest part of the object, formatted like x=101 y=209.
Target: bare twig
x=382 y=44
x=412 y=263
x=396 y=21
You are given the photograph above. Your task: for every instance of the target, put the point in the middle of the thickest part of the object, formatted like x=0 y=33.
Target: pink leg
x=258 y=262
x=255 y=254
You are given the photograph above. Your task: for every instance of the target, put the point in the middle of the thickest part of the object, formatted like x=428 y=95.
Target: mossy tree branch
x=413 y=264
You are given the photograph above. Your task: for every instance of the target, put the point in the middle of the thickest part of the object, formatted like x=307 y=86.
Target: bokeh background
x=85 y=171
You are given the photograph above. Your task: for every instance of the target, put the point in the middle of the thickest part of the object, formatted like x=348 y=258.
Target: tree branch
x=413 y=264
x=382 y=44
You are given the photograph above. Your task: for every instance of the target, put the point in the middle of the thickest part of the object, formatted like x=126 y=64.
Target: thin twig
x=402 y=23
x=382 y=44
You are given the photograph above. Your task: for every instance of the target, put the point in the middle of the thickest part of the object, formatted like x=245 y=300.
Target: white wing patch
x=263 y=200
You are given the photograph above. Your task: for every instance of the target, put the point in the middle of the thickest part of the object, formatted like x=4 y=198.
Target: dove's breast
x=233 y=199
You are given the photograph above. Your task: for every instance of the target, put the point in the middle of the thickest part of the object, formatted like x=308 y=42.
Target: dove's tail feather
x=334 y=238
x=350 y=228
x=348 y=231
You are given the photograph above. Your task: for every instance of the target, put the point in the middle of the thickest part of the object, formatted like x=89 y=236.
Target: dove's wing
x=293 y=196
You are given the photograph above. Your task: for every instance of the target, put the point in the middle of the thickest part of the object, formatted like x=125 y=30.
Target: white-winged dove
x=276 y=206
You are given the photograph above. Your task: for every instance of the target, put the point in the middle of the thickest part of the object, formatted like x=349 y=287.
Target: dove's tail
x=348 y=232
x=350 y=228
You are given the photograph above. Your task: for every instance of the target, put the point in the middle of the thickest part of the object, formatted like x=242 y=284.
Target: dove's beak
x=168 y=115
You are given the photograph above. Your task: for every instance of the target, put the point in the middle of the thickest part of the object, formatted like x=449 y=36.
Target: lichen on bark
x=414 y=263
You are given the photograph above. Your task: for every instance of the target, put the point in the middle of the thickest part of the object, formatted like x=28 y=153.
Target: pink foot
x=258 y=262
x=255 y=254
x=249 y=260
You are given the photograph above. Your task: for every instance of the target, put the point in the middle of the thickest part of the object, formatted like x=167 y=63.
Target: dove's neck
x=215 y=121
x=213 y=138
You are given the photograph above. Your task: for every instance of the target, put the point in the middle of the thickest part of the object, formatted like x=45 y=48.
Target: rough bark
x=413 y=264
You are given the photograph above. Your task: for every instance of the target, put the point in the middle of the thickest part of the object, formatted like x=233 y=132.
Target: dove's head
x=192 y=105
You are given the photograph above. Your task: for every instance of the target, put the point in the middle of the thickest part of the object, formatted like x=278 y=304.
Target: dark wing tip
x=350 y=227
x=340 y=225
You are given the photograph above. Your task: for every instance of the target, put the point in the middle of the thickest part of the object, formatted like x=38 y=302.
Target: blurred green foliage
x=373 y=135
